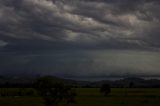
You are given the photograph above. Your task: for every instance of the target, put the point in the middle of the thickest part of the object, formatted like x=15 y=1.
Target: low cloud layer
x=82 y=64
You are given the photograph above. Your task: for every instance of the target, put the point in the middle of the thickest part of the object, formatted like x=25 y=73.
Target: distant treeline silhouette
x=127 y=82
x=17 y=85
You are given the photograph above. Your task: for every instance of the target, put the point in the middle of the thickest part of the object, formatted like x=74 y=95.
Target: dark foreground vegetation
x=51 y=91
x=91 y=97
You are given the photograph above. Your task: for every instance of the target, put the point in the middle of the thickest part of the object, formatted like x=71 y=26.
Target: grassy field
x=92 y=97
x=119 y=97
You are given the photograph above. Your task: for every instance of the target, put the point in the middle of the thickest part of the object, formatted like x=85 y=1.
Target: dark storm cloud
x=47 y=33
x=81 y=23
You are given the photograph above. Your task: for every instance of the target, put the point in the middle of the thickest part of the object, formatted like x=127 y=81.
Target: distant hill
x=137 y=82
x=125 y=82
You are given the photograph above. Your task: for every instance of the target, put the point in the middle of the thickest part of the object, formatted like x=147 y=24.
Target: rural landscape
x=53 y=91
x=79 y=52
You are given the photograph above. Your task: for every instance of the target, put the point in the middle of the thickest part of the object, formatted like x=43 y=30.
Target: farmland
x=88 y=97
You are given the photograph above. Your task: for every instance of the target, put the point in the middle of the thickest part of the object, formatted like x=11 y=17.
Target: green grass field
x=92 y=97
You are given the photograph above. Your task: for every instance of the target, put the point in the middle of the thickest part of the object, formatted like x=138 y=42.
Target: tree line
x=52 y=92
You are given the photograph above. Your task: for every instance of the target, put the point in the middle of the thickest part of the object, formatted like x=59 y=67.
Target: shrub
x=105 y=89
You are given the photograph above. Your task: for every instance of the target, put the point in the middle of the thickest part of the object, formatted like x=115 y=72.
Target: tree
x=105 y=89
x=52 y=92
x=131 y=84
x=70 y=97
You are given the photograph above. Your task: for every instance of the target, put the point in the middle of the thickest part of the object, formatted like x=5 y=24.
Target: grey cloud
x=3 y=43
x=47 y=33
x=73 y=22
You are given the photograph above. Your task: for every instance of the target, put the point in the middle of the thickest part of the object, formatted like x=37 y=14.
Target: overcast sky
x=80 y=38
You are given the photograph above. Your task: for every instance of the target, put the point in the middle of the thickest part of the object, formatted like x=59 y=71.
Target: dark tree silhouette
x=105 y=89
x=70 y=97
x=52 y=92
x=131 y=84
